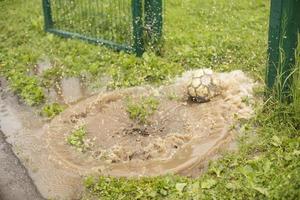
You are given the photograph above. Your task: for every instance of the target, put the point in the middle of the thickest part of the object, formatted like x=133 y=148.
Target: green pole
x=283 y=35
x=47 y=14
x=137 y=13
x=153 y=20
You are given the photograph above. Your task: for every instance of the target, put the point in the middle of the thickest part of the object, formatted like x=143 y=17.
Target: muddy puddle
x=178 y=138
x=69 y=90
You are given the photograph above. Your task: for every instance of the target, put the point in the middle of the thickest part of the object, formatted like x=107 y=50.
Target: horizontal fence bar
x=110 y=44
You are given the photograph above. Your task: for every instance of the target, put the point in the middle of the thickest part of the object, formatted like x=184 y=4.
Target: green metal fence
x=283 y=39
x=119 y=24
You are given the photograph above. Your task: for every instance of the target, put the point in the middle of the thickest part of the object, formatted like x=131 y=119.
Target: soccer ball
x=203 y=86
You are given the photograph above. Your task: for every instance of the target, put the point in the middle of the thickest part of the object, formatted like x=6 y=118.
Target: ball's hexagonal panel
x=203 y=86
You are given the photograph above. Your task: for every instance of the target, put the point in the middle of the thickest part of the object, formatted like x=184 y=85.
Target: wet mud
x=180 y=136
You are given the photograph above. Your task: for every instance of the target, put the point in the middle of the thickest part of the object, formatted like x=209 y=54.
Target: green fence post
x=47 y=14
x=154 y=19
x=283 y=36
x=137 y=16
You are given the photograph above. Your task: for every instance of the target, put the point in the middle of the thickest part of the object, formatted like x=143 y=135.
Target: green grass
x=27 y=87
x=198 y=34
x=141 y=110
x=223 y=35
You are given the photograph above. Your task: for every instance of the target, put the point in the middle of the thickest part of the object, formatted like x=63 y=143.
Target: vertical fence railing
x=47 y=15
x=283 y=38
x=118 y=24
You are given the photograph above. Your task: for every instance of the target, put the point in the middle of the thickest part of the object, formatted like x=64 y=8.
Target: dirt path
x=15 y=183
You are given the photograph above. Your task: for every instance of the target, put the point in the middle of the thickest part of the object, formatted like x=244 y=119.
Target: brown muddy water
x=179 y=138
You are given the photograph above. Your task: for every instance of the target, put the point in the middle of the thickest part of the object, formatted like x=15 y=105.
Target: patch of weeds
x=169 y=187
x=259 y=90
x=51 y=110
x=26 y=87
x=142 y=109
x=131 y=71
x=32 y=94
x=52 y=76
x=76 y=138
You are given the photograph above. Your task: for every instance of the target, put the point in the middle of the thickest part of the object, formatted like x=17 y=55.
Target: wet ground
x=182 y=137
x=23 y=129
x=15 y=183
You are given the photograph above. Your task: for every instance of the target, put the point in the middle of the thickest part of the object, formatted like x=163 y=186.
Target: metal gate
x=118 y=24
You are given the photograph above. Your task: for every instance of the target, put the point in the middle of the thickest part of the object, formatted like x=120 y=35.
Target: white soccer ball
x=203 y=86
